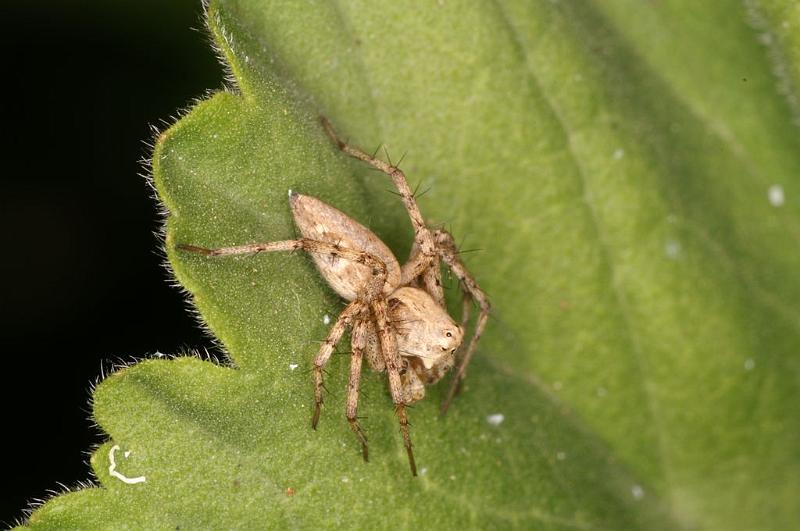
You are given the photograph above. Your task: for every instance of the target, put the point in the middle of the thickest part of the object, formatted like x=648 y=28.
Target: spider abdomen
x=319 y=221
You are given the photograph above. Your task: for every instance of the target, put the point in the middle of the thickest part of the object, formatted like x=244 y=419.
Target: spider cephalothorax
x=397 y=313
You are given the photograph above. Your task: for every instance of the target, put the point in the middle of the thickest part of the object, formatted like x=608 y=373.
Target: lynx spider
x=397 y=315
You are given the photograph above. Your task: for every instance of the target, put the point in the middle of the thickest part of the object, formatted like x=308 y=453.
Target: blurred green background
x=83 y=81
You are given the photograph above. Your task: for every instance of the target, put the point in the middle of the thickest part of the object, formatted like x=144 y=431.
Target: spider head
x=426 y=335
x=450 y=337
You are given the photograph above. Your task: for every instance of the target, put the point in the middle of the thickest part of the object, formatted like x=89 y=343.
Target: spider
x=397 y=314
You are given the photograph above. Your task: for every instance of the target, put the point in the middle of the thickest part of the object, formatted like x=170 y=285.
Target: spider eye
x=449 y=334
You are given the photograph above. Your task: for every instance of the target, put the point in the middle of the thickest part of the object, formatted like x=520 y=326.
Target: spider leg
x=414 y=266
x=449 y=254
x=466 y=309
x=393 y=365
x=325 y=351
x=373 y=348
x=373 y=287
x=250 y=248
x=358 y=341
x=431 y=276
x=466 y=312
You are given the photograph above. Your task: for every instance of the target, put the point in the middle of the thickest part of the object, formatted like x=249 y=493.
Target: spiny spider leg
x=449 y=254
x=431 y=276
x=393 y=365
x=325 y=351
x=359 y=342
x=466 y=309
x=415 y=266
x=371 y=290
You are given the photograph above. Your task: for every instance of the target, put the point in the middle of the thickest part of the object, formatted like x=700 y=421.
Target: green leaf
x=630 y=172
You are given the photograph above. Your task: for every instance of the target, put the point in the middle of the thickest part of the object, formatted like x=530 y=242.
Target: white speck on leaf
x=326 y=319
x=638 y=492
x=672 y=248
x=293 y=366
x=749 y=364
x=495 y=419
x=775 y=195
x=561 y=456
x=618 y=153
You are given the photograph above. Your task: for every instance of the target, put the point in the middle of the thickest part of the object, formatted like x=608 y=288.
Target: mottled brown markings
x=397 y=314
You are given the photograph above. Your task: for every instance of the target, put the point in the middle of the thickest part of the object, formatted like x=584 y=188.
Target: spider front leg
x=419 y=266
x=425 y=257
x=359 y=341
x=394 y=364
x=449 y=254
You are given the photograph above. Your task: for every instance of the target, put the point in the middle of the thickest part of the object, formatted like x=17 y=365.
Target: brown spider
x=397 y=314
